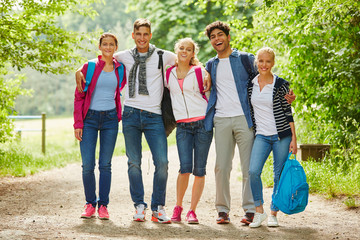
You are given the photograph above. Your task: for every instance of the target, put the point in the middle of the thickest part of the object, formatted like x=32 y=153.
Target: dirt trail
x=48 y=205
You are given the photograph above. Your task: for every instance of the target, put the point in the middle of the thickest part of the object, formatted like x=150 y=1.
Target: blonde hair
x=265 y=50
x=194 y=61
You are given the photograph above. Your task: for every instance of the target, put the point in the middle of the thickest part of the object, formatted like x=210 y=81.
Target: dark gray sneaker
x=223 y=218
x=248 y=218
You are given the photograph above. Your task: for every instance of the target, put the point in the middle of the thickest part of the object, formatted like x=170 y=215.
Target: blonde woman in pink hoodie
x=189 y=103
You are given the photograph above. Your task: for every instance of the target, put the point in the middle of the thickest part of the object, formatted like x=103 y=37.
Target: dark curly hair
x=217 y=25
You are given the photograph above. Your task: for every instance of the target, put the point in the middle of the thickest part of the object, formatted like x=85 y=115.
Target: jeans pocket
x=205 y=136
x=112 y=115
x=127 y=113
x=89 y=115
x=180 y=133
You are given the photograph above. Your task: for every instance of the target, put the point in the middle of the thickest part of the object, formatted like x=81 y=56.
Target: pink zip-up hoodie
x=82 y=100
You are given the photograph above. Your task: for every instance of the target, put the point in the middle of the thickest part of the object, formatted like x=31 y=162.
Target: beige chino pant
x=228 y=132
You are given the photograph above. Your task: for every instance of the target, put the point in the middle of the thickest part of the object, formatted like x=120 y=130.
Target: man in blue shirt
x=229 y=112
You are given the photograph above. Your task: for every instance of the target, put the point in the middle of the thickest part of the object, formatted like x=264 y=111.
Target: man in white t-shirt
x=229 y=112
x=142 y=114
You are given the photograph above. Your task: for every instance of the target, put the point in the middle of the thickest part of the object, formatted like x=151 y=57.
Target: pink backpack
x=198 y=77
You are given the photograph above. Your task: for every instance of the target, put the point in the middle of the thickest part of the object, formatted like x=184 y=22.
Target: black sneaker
x=248 y=218
x=223 y=218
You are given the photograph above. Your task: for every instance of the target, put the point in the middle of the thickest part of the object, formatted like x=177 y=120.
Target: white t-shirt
x=262 y=103
x=227 y=103
x=151 y=102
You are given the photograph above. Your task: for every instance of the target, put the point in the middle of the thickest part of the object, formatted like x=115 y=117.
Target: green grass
x=350 y=203
x=332 y=177
x=24 y=157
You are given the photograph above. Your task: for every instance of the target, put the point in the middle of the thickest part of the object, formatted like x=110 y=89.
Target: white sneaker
x=272 y=221
x=140 y=213
x=258 y=219
x=160 y=216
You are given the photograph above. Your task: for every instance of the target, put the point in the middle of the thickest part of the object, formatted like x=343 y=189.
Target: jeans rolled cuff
x=258 y=203
x=199 y=172
x=273 y=208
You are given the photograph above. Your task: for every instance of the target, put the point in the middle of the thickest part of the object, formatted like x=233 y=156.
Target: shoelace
x=256 y=218
x=88 y=206
x=162 y=213
x=177 y=210
x=140 y=209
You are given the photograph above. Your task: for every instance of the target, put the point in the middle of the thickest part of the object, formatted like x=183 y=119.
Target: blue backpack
x=91 y=69
x=291 y=195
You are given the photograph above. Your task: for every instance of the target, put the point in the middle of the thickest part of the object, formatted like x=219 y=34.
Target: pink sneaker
x=103 y=213
x=89 y=211
x=176 y=217
x=191 y=217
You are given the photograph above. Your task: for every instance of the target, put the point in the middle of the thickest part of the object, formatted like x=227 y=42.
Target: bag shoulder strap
x=120 y=74
x=247 y=65
x=89 y=74
x=168 y=71
x=199 y=78
x=161 y=65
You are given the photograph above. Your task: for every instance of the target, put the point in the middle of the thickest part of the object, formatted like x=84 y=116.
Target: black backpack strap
x=250 y=68
x=161 y=64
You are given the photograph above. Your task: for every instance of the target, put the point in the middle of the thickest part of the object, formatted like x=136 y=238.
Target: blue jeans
x=259 y=154
x=193 y=144
x=105 y=122
x=135 y=122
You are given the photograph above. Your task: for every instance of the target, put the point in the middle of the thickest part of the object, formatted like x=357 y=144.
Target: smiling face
x=142 y=37
x=220 y=42
x=265 y=62
x=185 y=51
x=108 y=46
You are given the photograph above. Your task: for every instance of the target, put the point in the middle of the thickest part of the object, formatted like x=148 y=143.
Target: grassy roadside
x=331 y=177
x=24 y=157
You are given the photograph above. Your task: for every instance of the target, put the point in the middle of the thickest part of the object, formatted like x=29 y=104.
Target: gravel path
x=48 y=205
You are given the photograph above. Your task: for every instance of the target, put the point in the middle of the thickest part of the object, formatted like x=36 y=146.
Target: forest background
x=317 y=43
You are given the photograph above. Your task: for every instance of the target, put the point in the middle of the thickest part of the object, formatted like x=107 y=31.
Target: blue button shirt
x=241 y=80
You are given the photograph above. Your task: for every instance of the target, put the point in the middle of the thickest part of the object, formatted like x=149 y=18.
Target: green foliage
x=317 y=46
x=350 y=202
x=111 y=16
x=17 y=160
x=9 y=90
x=317 y=43
x=334 y=176
x=54 y=92
x=24 y=156
x=267 y=175
x=30 y=38
x=175 y=19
